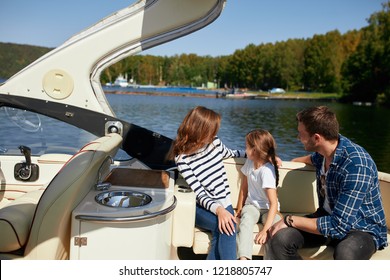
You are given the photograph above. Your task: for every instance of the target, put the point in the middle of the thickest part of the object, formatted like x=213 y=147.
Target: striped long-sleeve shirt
x=205 y=174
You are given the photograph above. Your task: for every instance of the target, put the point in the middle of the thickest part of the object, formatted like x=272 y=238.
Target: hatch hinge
x=80 y=241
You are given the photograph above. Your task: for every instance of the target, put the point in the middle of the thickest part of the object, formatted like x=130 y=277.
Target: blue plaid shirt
x=353 y=193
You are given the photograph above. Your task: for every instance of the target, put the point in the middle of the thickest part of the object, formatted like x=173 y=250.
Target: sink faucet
x=100 y=185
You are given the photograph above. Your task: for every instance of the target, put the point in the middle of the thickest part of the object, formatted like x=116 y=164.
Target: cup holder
x=123 y=199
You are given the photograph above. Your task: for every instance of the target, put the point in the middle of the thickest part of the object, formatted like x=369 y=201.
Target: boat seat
x=15 y=221
x=42 y=230
x=296 y=184
x=297 y=195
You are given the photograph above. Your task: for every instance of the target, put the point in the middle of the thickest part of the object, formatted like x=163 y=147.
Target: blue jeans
x=223 y=246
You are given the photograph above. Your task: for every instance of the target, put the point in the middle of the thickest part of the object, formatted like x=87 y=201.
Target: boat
x=79 y=183
x=238 y=94
x=121 y=81
x=242 y=95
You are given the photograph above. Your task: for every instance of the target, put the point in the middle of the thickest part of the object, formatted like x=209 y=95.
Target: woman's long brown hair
x=198 y=128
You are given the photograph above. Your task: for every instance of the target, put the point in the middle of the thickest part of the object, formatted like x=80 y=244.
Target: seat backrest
x=233 y=171
x=297 y=188
x=50 y=231
x=297 y=185
x=384 y=181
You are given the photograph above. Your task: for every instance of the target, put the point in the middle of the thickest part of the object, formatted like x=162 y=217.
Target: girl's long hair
x=198 y=128
x=264 y=147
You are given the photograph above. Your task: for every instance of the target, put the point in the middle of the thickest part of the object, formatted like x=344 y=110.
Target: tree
x=324 y=56
x=366 y=73
x=290 y=62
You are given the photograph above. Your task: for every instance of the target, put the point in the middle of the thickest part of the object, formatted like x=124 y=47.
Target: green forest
x=356 y=65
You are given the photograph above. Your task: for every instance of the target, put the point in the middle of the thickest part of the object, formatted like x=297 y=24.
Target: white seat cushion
x=15 y=221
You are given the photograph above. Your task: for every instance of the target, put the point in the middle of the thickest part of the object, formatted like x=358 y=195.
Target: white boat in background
x=238 y=94
x=98 y=189
x=241 y=95
x=121 y=81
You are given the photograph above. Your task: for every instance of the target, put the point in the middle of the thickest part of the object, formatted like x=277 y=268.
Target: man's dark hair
x=320 y=120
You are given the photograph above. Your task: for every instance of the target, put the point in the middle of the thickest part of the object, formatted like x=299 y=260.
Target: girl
x=198 y=154
x=258 y=191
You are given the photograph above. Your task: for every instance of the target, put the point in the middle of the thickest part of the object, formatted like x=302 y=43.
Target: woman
x=198 y=153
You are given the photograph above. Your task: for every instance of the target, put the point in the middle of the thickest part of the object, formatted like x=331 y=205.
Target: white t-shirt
x=326 y=205
x=258 y=180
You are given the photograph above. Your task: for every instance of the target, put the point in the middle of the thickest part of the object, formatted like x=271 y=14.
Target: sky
x=49 y=23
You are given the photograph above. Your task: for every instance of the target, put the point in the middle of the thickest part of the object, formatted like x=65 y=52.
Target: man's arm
x=298 y=222
x=304 y=159
x=305 y=224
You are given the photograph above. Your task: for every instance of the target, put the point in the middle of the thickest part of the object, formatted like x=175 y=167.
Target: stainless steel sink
x=123 y=199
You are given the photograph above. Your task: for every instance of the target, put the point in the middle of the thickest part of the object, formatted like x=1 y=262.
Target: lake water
x=367 y=126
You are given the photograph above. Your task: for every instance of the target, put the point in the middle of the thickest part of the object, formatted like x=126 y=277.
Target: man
x=350 y=216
